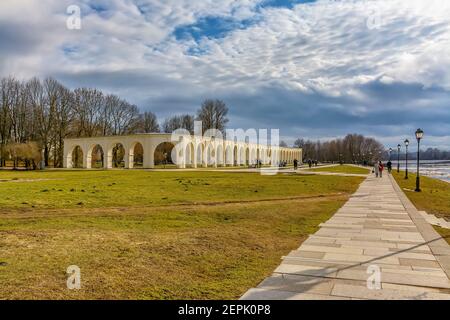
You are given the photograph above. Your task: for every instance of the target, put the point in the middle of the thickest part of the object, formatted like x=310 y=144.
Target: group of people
x=283 y=164
x=312 y=162
x=379 y=168
x=257 y=164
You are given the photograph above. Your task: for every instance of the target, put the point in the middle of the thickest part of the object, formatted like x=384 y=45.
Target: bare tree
x=89 y=104
x=179 y=122
x=354 y=148
x=124 y=117
x=213 y=114
x=147 y=123
x=61 y=128
x=5 y=120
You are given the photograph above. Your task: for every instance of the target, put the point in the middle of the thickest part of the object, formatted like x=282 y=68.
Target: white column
x=129 y=158
x=194 y=163
x=87 y=158
x=149 y=154
x=107 y=156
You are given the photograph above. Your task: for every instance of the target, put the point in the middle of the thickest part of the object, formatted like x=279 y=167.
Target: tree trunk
x=46 y=155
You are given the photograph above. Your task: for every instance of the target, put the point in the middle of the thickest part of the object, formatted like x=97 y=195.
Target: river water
x=432 y=168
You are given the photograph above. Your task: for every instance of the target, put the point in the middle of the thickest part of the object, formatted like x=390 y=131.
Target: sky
x=313 y=69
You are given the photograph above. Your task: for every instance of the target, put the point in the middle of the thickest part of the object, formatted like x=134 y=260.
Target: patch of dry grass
x=174 y=250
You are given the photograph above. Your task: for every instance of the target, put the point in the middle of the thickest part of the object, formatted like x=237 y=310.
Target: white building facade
x=190 y=151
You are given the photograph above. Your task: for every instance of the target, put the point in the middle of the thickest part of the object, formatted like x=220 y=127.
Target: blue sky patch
x=215 y=27
x=210 y=27
x=284 y=3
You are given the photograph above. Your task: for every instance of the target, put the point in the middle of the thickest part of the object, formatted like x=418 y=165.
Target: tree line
x=354 y=148
x=39 y=114
x=427 y=154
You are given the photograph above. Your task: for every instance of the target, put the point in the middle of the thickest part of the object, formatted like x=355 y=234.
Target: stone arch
x=253 y=157
x=229 y=155
x=95 y=157
x=210 y=155
x=136 y=156
x=163 y=154
x=219 y=155
x=242 y=156
x=235 y=156
x=269 y=156
x=189 y=155
x=247 y=156
x=75 y=157
x=200 y=155
x=116 y=155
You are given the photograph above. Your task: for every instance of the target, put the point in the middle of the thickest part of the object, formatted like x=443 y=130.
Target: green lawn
x=435 y=195
x=434 y=198
x=343 y=169
x=120 y=188
x=154 y=235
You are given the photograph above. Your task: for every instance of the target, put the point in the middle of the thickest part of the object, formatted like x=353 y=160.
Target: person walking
x=389 y=166
x=376 y=169
x=295 y=164
x=381 y=168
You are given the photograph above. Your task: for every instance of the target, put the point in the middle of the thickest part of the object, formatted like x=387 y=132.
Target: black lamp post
x=390 y=154
x=419 y=136
x=406 y=171
x=398 y=158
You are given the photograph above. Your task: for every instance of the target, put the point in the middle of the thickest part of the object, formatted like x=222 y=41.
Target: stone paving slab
x=377 y=227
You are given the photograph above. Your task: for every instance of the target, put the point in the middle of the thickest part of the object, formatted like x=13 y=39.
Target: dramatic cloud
x=315 y=69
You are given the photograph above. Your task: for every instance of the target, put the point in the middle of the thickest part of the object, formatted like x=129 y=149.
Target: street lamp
x=419 y=136
x=398 y=158
x=390 y=154
x=406 y=171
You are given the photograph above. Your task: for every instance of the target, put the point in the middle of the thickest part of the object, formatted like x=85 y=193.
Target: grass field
x=435 y=195
x=154 y=235
x=343 y=169
x=434 y=198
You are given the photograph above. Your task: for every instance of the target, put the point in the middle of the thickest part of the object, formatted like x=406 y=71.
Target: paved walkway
x=377 y=227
